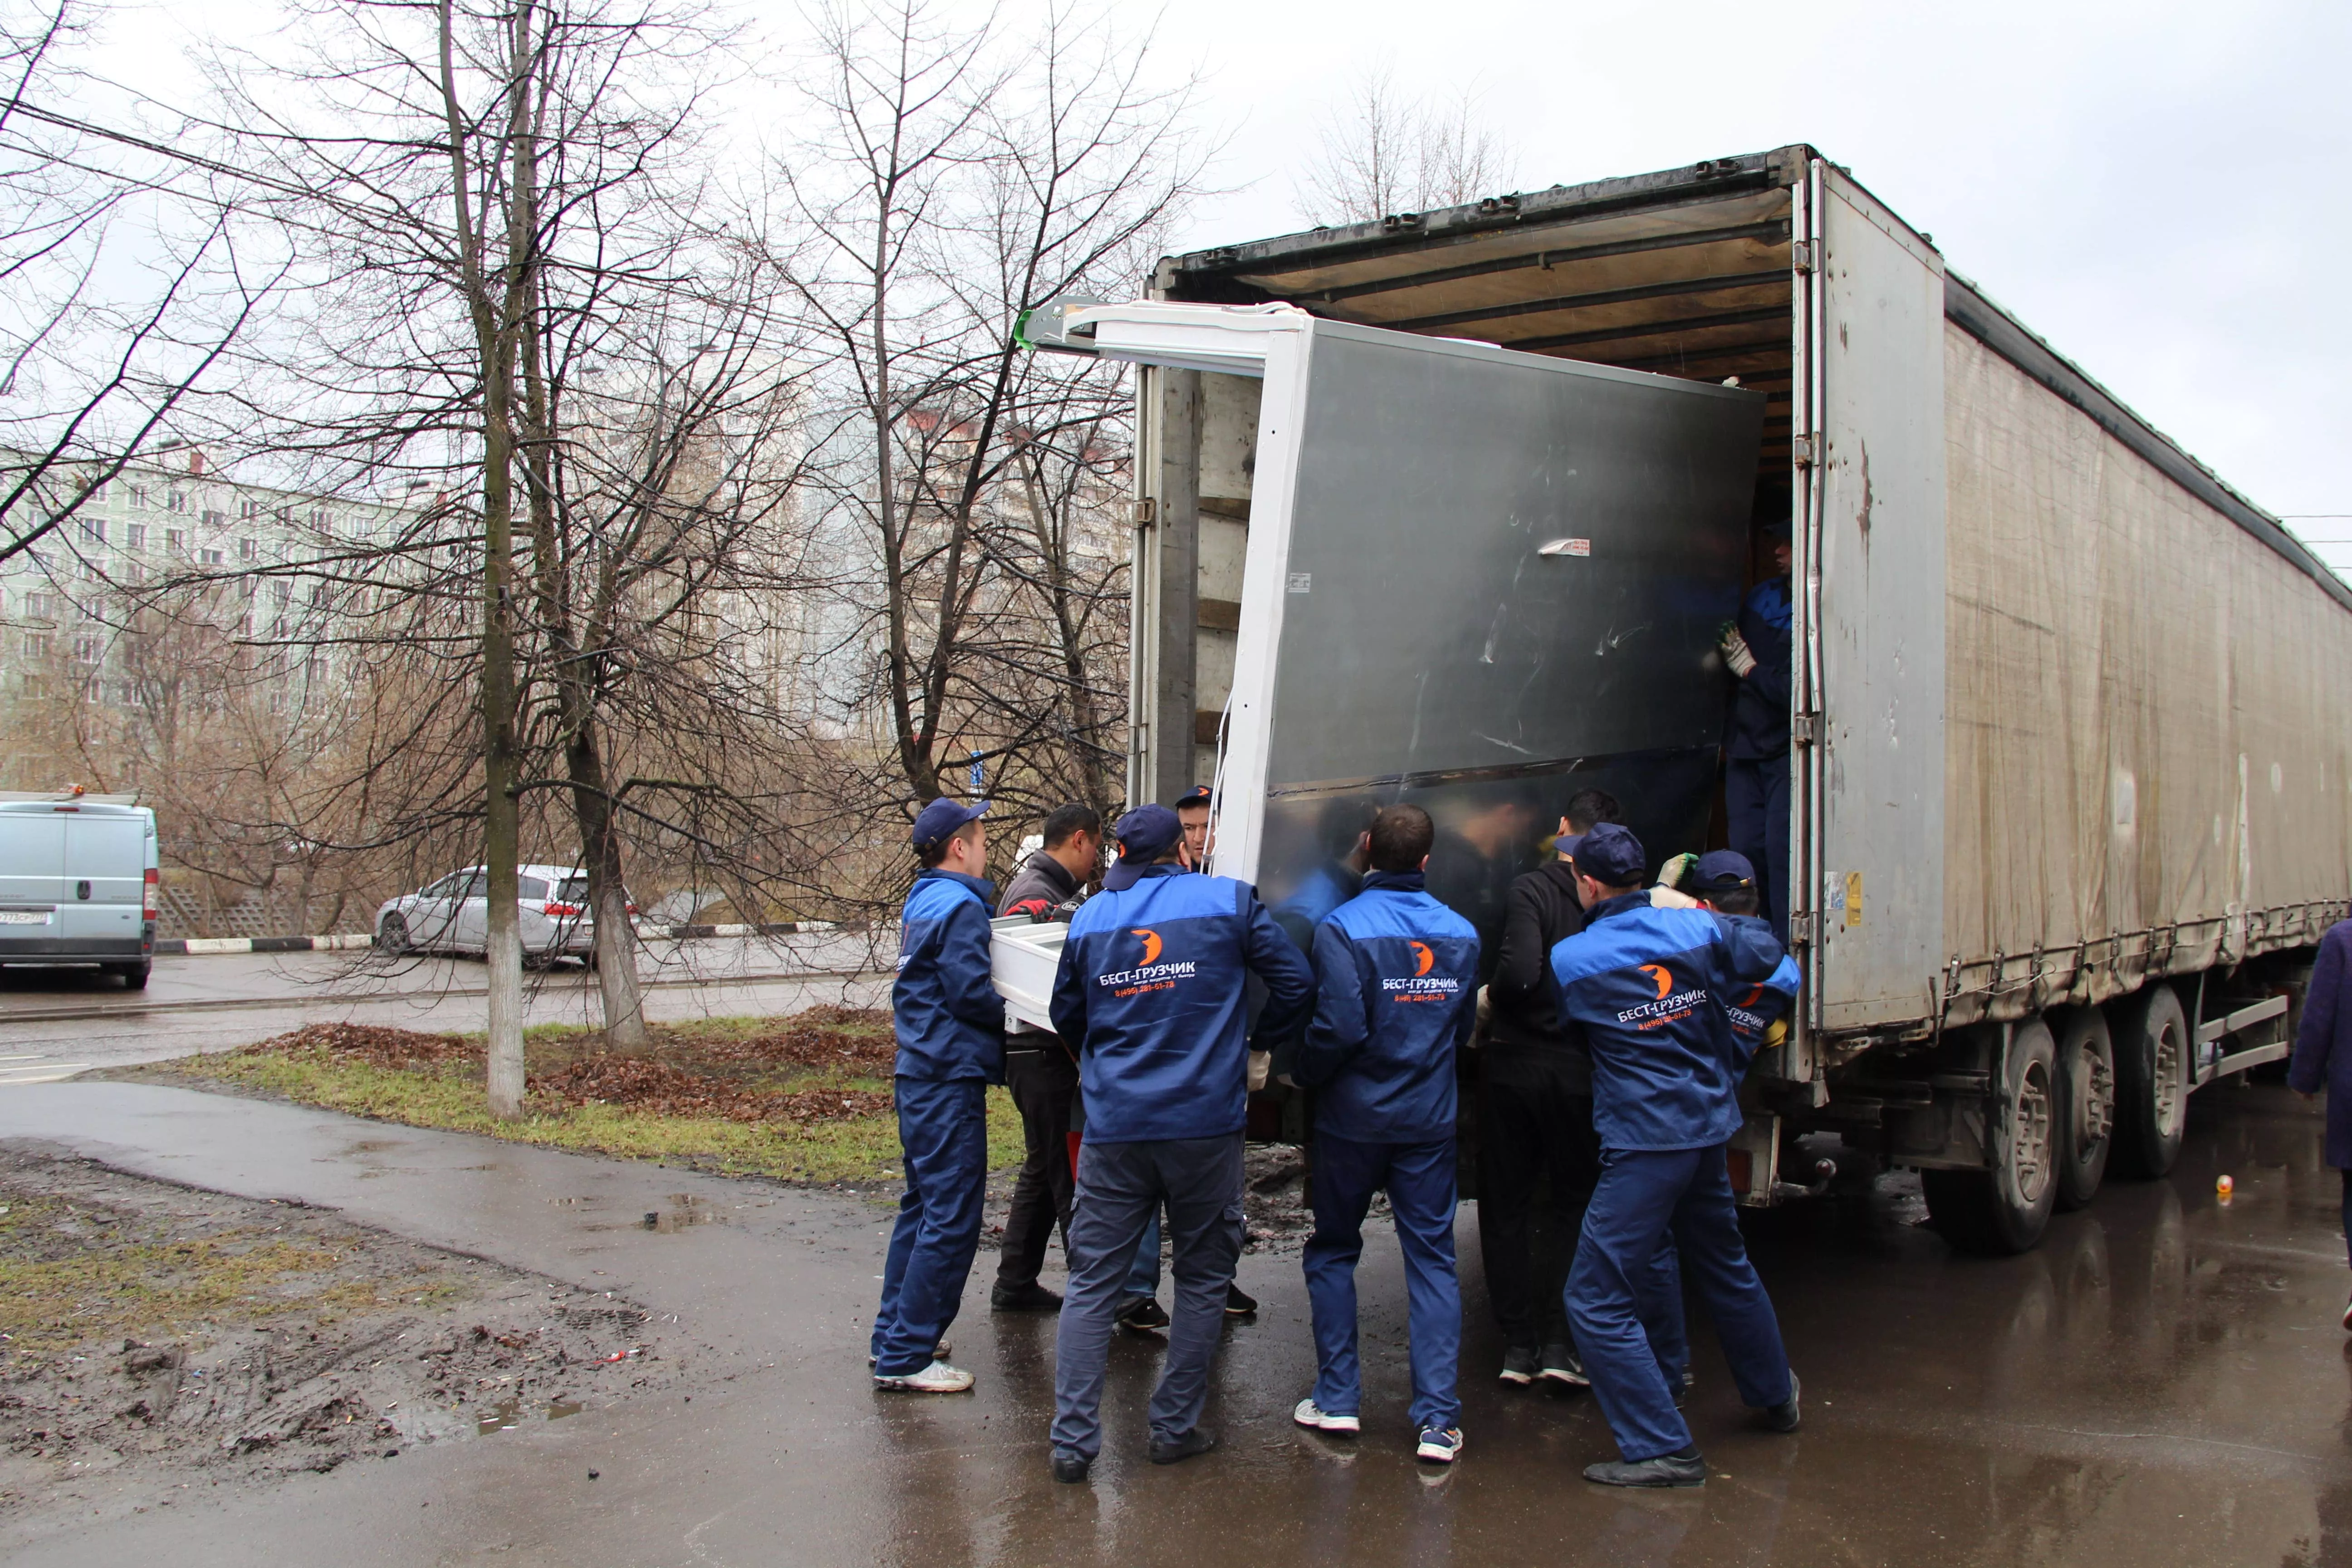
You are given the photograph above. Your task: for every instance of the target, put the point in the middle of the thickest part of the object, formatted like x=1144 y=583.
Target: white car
x=453 y=915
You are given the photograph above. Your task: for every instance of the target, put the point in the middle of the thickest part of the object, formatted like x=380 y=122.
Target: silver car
x=453 y=915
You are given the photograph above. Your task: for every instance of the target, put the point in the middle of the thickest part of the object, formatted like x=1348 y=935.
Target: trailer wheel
x=2005 y=1209
x=2152 y=1066
x=2087 y=1105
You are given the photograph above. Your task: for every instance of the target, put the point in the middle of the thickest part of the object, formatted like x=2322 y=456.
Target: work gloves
x=1735 y=652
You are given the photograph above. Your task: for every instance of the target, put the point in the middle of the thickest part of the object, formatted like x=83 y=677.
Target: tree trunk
x=608 y=895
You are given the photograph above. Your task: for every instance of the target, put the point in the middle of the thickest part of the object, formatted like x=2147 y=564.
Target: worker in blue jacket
x=1396 y=978
x=1726 y=882
x=951 y=1028
x=1150 y=990
x=1651 y=987
x=1761 y=649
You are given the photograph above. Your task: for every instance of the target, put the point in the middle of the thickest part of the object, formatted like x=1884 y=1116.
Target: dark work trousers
x=1044 y=1082
x=1756 y=799
x=1119 y=1184
x=1643 y=1196
x=2347 y=1213
x=1538 y=1160
x=1418 y=1180
x=943 y=1128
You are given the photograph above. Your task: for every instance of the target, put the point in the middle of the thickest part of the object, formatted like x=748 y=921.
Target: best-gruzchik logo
x=1743 y=1019
x=1150 y=975
x=1669 y=1005
x=1421 y=985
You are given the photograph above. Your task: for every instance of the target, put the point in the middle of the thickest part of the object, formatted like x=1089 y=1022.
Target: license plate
x=23 y=917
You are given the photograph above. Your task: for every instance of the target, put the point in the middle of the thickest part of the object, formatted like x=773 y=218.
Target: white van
x=79 y=883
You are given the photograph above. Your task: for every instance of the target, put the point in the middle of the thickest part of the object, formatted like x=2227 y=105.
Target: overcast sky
x=2160 y=189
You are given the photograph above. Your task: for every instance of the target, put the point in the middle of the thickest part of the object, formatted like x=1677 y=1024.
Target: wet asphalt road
x=2165 y=1382
x=57 y=1022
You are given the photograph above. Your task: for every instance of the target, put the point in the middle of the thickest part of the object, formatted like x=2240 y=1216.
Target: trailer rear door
x=1869 y=794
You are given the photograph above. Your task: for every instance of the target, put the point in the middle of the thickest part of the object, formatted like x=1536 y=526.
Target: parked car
x=453 y=915
x=79 y=883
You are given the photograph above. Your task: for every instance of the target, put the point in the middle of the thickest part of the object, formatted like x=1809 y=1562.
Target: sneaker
x=1784 y=1417
x=1175 y=1450
x=1521 y=1365
x=1071 y=1468
x=1239 y=1303
x=939 y=1353
x=1030 y=1298
x=1561 y=1365
x=1440 y=1445
x=1307 y=1414
x=937 y=1378
x=1143 y=1314
x=1665 y=1470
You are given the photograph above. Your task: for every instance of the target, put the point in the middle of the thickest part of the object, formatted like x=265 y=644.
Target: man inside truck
x=1649 y=985
x=1759 y=648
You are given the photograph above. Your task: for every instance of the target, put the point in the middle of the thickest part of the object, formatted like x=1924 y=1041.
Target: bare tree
x=960 y=180
x=119 y=285
x=1383 y=151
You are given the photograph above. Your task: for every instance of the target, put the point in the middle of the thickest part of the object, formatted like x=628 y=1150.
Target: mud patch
x=156 y=1339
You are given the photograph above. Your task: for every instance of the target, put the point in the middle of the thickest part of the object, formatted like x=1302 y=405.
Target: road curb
x=197 y=945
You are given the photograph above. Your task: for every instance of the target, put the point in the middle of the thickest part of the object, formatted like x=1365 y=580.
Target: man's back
x=1650 y=987
x=1542 y=912
x=1396 y=973
x=1152 y=983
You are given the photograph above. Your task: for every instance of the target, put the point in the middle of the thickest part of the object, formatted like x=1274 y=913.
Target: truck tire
x=2087 y=1105
x=2152 y=1058
x=2005 y=1209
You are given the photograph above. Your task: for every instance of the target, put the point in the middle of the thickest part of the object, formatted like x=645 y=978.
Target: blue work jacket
x=1149 y=992
x=1650 y=987
x=1751 y=1009
x=2322 y=1040
x=948 y=1018
x=1759 y=709
x=1396 y=988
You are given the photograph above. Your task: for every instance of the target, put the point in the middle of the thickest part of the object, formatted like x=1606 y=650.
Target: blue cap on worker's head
x=1199 y=794
x=1610 y=855
x=1144 y=835
x=1720 y=871
x=941 y=819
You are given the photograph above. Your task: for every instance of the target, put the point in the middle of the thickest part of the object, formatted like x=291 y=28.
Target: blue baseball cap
x=1144 y=835
x=1609 y=854
x=1199 y=794
x=940 y=820
x=1721 y=872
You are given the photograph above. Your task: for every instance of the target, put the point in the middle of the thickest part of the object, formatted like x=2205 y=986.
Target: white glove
x=1664 y=898
x=1735 y=654
x=1261 y=1063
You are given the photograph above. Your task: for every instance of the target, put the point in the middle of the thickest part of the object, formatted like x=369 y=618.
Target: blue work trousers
x=943 y=1129
x=1143 y=1278
x=1420 y=1182
x=1643 y=1196
x=1120 y=1186
x=1756 y=801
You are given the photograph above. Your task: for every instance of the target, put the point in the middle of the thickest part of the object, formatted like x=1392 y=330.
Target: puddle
x=506 y=1417
x=685 y=1210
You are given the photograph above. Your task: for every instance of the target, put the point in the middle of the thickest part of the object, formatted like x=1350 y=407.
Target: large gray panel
x=1430 y=651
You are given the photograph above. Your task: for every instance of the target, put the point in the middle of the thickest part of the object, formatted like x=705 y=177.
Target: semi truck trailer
x=1451 y=508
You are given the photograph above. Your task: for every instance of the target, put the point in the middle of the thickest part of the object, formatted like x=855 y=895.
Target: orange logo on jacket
x=1657 y=971
x=1150 y=944
x=1425 y=960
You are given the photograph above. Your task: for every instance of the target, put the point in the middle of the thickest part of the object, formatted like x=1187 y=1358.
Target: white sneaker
x=1440 y=1445
x=937 y=1378
x=1307 y=1415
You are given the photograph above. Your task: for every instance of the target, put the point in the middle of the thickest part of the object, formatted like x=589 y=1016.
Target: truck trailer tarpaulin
x=2072 y=795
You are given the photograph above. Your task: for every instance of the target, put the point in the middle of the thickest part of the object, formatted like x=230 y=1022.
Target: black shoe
x=1665 y=1470
x=1193 y=1442
x=1030 y=1298
x=1143 y=1314
x=1561 y=1365
x=1071 y=1468
x=1522 y=1364
x=1784 y=1417
x=1239 y=1303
